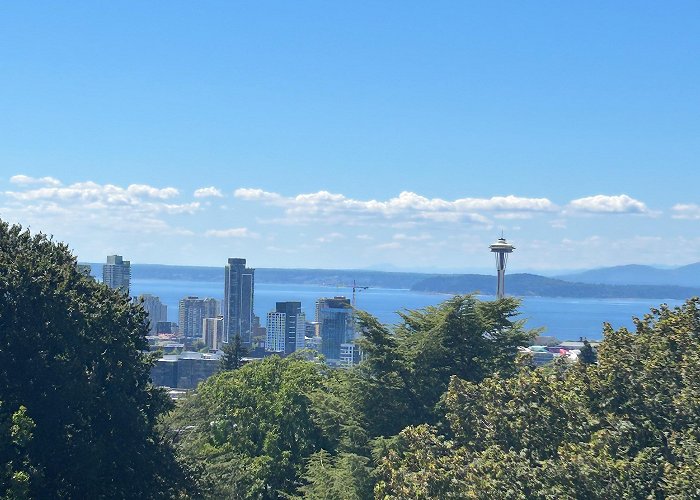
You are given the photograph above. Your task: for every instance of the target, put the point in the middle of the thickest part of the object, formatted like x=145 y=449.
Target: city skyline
x=400 y=135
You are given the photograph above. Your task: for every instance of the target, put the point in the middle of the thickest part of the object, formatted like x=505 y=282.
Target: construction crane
x=355 y=288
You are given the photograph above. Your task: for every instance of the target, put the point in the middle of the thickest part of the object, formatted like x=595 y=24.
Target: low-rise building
x=184 y=371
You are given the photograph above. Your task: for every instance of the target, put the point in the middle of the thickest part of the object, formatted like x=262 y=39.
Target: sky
x=385 y=135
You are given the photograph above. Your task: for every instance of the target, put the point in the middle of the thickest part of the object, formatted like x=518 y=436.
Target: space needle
x=501 y=248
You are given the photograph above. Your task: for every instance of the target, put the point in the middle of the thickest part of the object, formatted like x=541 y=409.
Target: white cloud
x=151 y=192
x=412 y=237
x=513 y=215
x=558 y=223
x=92 y=192
x=329 y=238
x=394 y=245
x=208 y=192
x=604 y=204
x=24 y=180
x=686 y=211
x=255 y=194
x=88 y=207
x=234 y=232
x=323 y=205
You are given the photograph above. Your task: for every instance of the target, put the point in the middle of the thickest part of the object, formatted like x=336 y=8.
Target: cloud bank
x=603 y=204
x=406 y=205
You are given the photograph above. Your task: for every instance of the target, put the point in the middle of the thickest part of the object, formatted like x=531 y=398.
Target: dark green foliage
x=71 y=363
x=408 y=370
x=442 y=408
x=626 y=427
x=249 y=432
x=344 y=476
x=587 y=355
x=16 y=469
x=233 y=354
x=232 y=430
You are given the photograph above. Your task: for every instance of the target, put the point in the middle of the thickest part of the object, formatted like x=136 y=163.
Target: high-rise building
x=276 y=328
x=286 y=328
x=295 y=325
x=239 y=288
x=212 y=308
x=192 y=312
x=335 y=319
x=213 y=332
x=156 y=310
x=116 y=273
x=349 y=354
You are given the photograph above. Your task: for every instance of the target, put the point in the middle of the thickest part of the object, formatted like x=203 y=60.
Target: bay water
x=564 y=318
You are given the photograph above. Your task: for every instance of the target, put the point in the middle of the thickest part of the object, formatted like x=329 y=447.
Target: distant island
x=541 y=286
x=516 y=284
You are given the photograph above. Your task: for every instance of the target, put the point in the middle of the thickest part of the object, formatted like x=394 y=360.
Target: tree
x=16 y=469
x=626 y=427
x=345 y=476
x=407 y=370
x=72 y=363
x=251 y=431
x=588 y=355
x=233 y=354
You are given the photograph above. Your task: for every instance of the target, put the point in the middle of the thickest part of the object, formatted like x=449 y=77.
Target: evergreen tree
x=624 y=427
x=407 y=370
x=587 y=355
x=252 y=430
x=74 y=382
x=233 y=354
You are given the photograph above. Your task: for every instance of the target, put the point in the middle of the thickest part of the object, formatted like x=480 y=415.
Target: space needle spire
x=501 y=249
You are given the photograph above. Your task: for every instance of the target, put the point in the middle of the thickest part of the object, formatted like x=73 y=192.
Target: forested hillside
x=524 y=285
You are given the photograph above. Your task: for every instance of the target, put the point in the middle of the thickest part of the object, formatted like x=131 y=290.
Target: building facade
x=116 y=273
x=239 y=289
x=275 y=333
x=213 y=332
x=192 y=312
x=335 y=319
x=156 y=310
x=286 y=328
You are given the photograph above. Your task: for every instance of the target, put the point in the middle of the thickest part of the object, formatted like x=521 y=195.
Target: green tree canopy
x=250 y=431
x=234 y=352
x=72 y=364
x=626 y=427
x=408 y=369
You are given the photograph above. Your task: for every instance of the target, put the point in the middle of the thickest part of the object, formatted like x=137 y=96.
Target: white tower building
x=501 y=249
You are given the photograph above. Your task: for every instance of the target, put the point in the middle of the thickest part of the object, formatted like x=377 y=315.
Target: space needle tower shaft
x=501 y=249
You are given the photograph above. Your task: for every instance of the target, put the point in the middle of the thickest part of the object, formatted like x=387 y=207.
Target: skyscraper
x=239 y=288
x=275 y=333
x=157 y=311
x=116 y=273
x=336 y=325
x=213 y=331
x=212 y=308
x=192 y=312
x=286 y=328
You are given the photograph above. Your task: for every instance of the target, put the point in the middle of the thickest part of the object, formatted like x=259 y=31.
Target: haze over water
x=565 y=318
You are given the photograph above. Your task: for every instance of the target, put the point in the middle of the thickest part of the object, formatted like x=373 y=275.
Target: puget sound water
x=564 y=318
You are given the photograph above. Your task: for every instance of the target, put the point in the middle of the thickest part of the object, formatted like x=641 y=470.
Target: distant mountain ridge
x=329 y=277
x=522 y=284
x=535 y=285
x=635 y=274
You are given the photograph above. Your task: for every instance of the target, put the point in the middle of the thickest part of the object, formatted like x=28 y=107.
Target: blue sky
x=572 y=127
